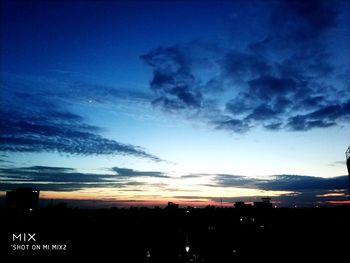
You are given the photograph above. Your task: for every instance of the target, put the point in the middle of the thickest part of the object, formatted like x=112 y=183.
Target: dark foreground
x=163 y=235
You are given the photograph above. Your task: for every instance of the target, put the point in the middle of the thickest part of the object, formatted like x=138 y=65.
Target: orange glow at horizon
x=340 y=202
x=150 y=196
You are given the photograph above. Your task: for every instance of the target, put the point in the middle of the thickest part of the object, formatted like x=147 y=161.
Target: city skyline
x=141 y=103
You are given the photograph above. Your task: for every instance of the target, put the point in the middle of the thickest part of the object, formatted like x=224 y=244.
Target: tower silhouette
x=347 y=153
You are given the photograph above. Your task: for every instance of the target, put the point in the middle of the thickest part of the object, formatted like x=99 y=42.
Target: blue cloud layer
x=286 y=80
x=37 y=119
x=59 y=179
x=284 y=182
x=126 y=172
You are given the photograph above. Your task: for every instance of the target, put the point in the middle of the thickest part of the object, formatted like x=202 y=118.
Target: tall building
x=347 y=153
x=22 y=199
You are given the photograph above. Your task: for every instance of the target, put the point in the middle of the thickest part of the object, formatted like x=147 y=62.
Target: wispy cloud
x=59 y=179
x=42 y=122
x=126 y=172
x=283 y=182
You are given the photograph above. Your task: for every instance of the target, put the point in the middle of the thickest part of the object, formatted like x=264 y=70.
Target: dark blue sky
x=103 y=38
x=176 y=93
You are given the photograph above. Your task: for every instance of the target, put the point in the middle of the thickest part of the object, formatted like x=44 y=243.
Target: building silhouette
x=22 y=199
x=172 y=206
x=347 y=153
x=265 y=203
x=242 y=205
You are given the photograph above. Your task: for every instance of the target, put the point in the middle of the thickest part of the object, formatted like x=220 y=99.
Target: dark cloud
x=243 y=103
x=242 y=66
x=42 y=122
x=125 y=172
x=173 y=80
x=49 y=174
x=192 y=176
x=5 y=161
x=313 y=102
x=301 y=123
x=287 y=78
x=58 y=179
x=297 y=183
x=228 y=180
x=59 y=134
x=274 y=126
x=305 y=190
x=323 y=117
x=262 y=112
x=302 y=183
x=235 y=125
x=268 y=87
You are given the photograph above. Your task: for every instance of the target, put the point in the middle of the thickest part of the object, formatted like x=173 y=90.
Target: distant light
x=187 y=248
x=30 y=209
x=148 y=254
x=234 y=251
x=241 y=219
x=275 y=206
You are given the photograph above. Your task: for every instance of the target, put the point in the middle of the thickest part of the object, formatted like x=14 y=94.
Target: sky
x=120 y=103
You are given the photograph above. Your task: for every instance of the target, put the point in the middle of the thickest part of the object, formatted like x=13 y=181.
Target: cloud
x=302 y=183
x=322 y=117
x=283 y=182
x=228 y=180
x=5 y=161
x=235 y=125
x=125 y=172
x=58 y=179
x=285 y=79
x=59 y=134
x=42 y=122
x=173 y=81
x=303 y=190
x=268 y=86
x=242 y=66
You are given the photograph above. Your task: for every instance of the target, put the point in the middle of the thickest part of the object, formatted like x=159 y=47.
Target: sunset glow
x=119 y=103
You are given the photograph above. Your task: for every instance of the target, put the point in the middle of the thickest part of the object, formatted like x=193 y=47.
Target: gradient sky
x=144 y=102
